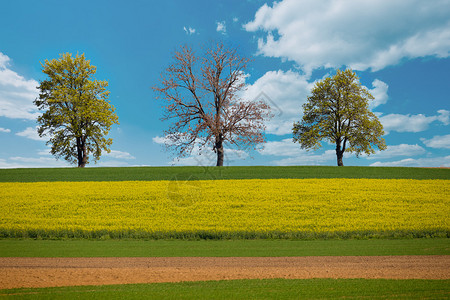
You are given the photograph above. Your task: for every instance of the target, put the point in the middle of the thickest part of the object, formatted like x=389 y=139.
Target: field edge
x=185 y=173
x=223 y=235
x=251 y=289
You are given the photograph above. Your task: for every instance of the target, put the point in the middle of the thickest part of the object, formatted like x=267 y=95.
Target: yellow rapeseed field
x=285 y=205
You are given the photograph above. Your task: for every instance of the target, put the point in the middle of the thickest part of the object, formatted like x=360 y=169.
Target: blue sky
x=400 y=50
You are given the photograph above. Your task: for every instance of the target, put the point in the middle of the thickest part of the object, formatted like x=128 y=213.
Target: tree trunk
x=340 y=153
x=219 y=150
x=81 y=152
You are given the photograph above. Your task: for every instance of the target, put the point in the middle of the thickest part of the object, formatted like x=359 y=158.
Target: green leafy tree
x=338 y=112
x=77 y=115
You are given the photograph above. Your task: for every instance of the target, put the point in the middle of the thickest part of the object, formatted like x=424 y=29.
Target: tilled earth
x=16 y=272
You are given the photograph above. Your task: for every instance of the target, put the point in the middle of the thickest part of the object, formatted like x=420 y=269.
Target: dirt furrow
x=16 y=272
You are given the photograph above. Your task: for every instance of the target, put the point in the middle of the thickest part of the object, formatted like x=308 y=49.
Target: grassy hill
x=208 y=173
x=184 y=202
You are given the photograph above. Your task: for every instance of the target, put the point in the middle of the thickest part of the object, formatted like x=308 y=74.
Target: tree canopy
x=77 y=115
x=338 y=112
x=201 y=96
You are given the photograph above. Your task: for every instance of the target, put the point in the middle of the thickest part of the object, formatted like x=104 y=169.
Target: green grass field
x=234 y=289
x=206 y=173
x=250 y=289
x=221 y=248
x=118 y=175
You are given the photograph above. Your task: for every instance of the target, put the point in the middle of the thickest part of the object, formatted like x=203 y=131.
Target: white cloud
x=159 y=140
x=397 y=150
x=379 y=92
x=297 y=156
x=420 y=162
x=46 y=160
x=405 y=123
x=46 y=152
x=294 y=155
x=189 y=30
x=164 y=140
x=221 y=27
x=443 y=116
x=207 y=157
x=285 y=147
x=438 y=141
x=16 y=93
x=4 y=60
x=111 y=163
x=32 y=162
x=5 y=130
x=30 y=133
x=4 y=164
x=32 y=159
x=308 y=158
x=412 y=123
x=354 y=33
x=115 y=154
x=285 y=92
x=119 y=155
x=203 y=156
x=235 y=19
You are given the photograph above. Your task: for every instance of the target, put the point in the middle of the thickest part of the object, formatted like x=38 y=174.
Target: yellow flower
x=282 y=205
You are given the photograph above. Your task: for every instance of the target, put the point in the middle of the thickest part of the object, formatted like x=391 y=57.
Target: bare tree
x=201 y=96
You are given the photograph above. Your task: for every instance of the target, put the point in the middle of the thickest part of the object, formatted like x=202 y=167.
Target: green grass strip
x=230 y=248
x=225 y=235
x=250 y=289
x=213 y=173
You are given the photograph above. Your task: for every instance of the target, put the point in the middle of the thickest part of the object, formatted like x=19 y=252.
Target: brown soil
x=19 y=272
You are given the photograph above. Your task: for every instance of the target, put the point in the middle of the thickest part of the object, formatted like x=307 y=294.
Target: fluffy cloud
x=4 y=61
x=443 y=116
x=5 y=130
x=439 y=141
x=285 y=147
x=398 y=150
x=30 y=133
x=294 y=155
x=45 y=152
x=111 y=163
x=159 y=140
x=221 y=27
x=203 y=156
x=412 y=123
x=48 y=162
x=189 y=30
x=32 y=162
x=45 y=159
x=119 y=154
x=16 y=93
x=379 y=92
x=113 y=154
x=285 y=92
x=207 y=157
x=307 y=158
x=419 y=162
x=360 y=34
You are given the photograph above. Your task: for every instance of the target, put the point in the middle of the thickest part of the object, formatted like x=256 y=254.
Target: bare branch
x=201 y=99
